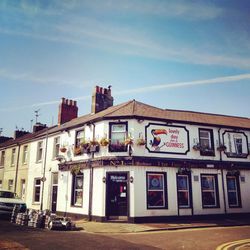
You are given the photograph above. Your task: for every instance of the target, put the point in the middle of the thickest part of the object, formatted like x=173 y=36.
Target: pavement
x=123 y=227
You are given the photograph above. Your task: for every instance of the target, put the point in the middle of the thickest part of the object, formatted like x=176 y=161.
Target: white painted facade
x=137 y=188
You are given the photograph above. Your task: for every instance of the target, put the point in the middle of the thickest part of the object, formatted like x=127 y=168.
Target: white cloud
x=218 y=80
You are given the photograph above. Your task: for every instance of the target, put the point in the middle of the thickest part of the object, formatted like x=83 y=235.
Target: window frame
x=56 y=147
x=25 y=154
x=215 y=191
x=164 y=190
x=189 y=190
x=237 y=191
x=74 y=190
x=78 y=141
x=13 y=157
x=207 y=151
x=37 y=186
x=120 y=147
x=2 y=160
x=11 y=186
x=39 y=155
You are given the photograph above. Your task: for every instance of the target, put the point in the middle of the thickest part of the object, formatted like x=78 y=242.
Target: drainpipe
x=91 y=179
x=222 y=176
x=43 y=179
x=17 y=166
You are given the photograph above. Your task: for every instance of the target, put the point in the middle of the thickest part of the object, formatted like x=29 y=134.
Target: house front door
x=117 y=195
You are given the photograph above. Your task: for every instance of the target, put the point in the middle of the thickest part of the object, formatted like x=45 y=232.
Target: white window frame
x=238 y=144
x=25 y=154
x=124 y=132
x=163 y=190
x=74 y=202
x=184 y=190
x=39 y=154
x=37 y=186
x=10 y=184
x=209 y=191
x=56 y=147
x=79 y=138
x=233 y=191
x=208 y=138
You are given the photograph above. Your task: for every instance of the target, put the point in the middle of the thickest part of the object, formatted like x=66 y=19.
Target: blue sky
x=188 y=55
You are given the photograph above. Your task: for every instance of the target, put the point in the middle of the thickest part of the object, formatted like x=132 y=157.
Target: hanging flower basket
x=222 y=147
x=104 y=142
x=129 y=141
x=63 y=149
x=75 y=170
x=140 y=142
x=197 y=147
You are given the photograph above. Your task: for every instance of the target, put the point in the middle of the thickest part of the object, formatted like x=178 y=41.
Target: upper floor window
x=39 y=151
x=206 y=142
x=25 y=154
x=13 y=157
x=156 y=190
x=2 y=160
x=1 y=184
x=79 y=142
x=77 y=190
x=209 y=191
x=56 y=147
x=238 y=144
x=118 y=134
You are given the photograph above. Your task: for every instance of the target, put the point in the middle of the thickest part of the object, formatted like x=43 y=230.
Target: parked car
x=8 y=200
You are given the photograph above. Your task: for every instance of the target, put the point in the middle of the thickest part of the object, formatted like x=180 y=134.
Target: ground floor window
x=183 y=191
x=77 y=190
x=209 y=190
x=233 y=191
x=156 y=190
x=37 y=189
x=10 y=185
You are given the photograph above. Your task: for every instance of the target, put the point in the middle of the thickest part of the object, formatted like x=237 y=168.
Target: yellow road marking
x=225 y=246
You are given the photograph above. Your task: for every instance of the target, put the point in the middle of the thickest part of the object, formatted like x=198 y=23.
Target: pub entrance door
x=117 y=195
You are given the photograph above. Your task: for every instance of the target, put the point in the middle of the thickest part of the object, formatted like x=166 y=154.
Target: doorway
x=54 y=192
x=117 y=195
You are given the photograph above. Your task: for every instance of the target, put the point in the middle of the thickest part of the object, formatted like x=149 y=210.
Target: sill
x=36 y=203
x=207 y=153
x=77 y=206
x=180 y=207
x=153 y=208
x=118 y=148
x=208 y=207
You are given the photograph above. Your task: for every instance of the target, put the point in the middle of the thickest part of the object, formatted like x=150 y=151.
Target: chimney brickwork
x=68 y=110
x=38 y=126
x=20 y=133
x=101 y=99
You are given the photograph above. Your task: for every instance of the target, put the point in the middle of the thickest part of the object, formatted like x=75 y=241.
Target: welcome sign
x=167 y=139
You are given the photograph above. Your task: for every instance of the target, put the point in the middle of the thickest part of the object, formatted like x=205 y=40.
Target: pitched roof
x=144 y=111
x=141 y=110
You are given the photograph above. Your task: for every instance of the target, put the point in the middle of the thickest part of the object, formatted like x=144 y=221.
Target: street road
x=209 y=238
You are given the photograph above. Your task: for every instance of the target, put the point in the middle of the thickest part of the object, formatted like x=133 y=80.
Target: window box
x=94 y=148
x=77 y=151
x=121 y=147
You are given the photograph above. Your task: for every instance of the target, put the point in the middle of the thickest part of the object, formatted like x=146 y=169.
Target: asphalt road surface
x=13 y=236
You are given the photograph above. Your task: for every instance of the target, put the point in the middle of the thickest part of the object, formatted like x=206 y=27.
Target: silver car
x=8 y=200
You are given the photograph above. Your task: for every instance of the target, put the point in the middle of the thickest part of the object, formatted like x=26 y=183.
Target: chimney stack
x=38 y=126
x=20 y=133
x=101 y=99
x=67 y=111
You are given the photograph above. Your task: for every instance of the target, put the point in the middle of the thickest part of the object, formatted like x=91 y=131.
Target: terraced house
x=140 y=163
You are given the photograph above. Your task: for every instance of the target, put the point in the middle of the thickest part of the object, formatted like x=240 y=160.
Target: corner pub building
x=140 y=163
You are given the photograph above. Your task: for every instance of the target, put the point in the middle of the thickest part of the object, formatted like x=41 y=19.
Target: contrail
x=226 y=79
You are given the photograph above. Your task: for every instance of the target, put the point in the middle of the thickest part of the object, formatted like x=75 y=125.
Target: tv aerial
x=37 y=114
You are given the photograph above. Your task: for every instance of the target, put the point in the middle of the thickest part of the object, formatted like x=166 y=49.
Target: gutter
x=91 y=173
x=222 y=176
x=17 y=166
